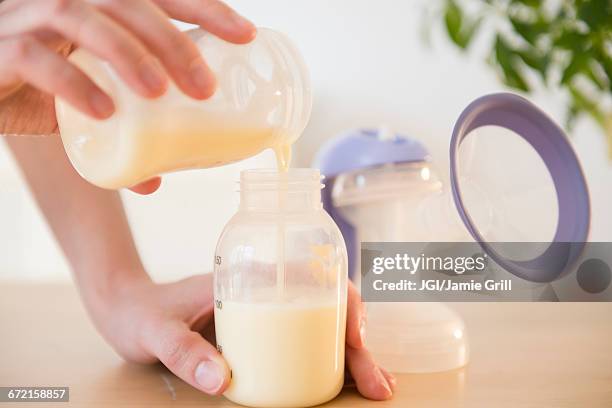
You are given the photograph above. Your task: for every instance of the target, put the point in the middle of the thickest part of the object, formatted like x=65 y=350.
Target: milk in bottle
x=280 y=293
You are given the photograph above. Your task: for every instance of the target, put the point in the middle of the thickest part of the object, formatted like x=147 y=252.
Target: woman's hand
x=173 y=323
x=135 y=37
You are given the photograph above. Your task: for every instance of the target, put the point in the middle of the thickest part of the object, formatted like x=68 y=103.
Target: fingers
x=108 y=40
x=390 y=378
x=189 y=356
x=148 y=187
x=370 y=380
x=175 y=50
x=83 y=24
x=120 y=33
x=34 y=63
x=355 y=319
x=212 y=15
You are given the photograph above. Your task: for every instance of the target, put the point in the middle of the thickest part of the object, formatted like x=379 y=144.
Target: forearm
x=88 y=222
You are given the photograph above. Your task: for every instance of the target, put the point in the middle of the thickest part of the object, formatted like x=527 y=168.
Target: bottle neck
x=296 y=190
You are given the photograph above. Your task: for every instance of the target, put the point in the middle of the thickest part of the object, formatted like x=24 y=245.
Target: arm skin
x=89 y=223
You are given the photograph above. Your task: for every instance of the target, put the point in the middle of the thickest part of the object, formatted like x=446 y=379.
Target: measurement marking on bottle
x=217 y=260
x=220 y=348
x=219 y=304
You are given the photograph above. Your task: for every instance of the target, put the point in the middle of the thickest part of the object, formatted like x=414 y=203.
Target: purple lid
x=363 y=148
x=550 y=142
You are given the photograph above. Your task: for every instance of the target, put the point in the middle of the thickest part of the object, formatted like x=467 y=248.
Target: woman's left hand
x=174 y=323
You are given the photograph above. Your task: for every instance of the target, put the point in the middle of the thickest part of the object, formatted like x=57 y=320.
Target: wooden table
x=523 y=355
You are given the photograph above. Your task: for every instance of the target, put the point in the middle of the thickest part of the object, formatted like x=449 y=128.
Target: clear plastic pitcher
x=280 y=293
x=262 y=101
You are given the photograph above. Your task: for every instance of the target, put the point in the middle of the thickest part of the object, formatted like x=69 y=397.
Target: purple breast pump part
x=364 y=148
x=550 y=142
x=355 y=150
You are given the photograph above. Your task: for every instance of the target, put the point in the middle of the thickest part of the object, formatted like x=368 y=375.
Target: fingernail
x=202 y=78
x=153 y=75
x=101 y=104
x=209 y=376
x=362 y=330
x=391 y=380
x=383 y=381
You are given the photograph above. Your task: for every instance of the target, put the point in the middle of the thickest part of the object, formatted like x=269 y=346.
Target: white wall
x=369 y=66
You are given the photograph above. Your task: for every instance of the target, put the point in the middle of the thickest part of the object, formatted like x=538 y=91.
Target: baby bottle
x=280 y=293
x=262 y=101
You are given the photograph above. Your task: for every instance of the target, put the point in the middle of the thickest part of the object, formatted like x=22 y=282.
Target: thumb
x=189 y=356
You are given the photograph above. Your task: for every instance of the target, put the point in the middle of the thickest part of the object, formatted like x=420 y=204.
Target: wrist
x=117 y=305
x=102 y=287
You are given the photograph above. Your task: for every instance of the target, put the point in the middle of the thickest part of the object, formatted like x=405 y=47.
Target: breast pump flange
x=362 y=169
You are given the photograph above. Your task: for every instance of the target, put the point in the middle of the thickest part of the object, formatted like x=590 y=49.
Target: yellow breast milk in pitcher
x=262 y=101
x=281 y=328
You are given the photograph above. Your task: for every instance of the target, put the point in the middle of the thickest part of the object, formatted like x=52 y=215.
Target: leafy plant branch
x=567 y=43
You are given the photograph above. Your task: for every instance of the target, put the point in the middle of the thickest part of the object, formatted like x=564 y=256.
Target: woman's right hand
x=135 y=37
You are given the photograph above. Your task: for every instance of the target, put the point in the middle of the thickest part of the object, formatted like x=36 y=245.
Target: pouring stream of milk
x=283 y=159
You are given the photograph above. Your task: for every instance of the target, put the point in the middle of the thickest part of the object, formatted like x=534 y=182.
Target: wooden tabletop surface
x=522 y=355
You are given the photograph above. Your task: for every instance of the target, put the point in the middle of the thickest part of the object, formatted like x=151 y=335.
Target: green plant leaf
x=577 y=64
x=530 y=3
x=536 y=60
x=470 y=29
x=453 y=17
x=607 y=66
x=573 y=112
x=592 y=69
x=584 y=103
x=595 y=13
x=530 y=32
x=605 y=62
x=506 y=59
x=460 y=29
x=572 y=40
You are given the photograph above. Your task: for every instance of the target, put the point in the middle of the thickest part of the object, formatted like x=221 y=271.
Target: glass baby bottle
x=262 y=101
x=280 y=293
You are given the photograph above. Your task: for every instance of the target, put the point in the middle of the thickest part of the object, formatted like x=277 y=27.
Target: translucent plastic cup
x=262 y=101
